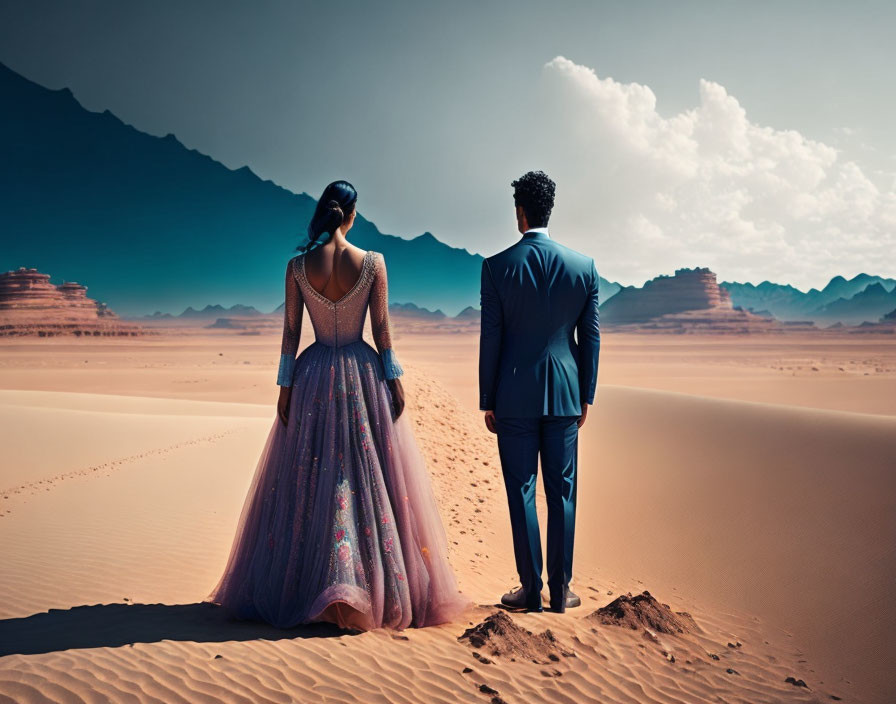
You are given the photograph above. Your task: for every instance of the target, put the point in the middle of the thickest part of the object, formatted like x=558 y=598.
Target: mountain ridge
x=153 y=224
x=789 y=303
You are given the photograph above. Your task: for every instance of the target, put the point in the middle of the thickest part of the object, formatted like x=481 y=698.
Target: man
x=538 y=356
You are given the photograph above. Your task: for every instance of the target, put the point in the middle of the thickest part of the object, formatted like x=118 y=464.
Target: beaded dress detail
x=340 y=522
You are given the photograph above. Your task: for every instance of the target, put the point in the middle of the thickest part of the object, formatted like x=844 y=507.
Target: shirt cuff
x=390 y=364
x=287 y=365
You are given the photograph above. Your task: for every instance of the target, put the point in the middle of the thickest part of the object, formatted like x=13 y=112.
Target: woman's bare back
x=334 y=269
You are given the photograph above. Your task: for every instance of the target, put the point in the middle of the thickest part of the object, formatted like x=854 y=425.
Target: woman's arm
x=382 y=334
x=292 y=330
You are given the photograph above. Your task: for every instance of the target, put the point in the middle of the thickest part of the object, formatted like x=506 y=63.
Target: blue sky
x=754 y=138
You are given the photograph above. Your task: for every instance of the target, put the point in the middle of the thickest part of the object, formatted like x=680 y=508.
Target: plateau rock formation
x=689 y=301
x=31 y=305
x=688 y=289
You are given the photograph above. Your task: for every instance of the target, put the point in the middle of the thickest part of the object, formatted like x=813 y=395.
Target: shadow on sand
x=113 y=625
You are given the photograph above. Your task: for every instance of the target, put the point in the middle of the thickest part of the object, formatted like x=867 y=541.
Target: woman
x=340 y=523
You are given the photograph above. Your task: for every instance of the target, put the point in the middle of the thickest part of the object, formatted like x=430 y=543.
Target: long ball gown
x=340 y=523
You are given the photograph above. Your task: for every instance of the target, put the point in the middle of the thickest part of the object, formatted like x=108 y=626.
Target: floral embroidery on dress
x=342 y=543
x=344 y=552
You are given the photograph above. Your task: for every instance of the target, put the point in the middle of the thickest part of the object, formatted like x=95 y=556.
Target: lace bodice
x=337 y=323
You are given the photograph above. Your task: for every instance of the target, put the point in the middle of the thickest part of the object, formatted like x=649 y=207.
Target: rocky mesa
x=689 y=301
x=31 y=305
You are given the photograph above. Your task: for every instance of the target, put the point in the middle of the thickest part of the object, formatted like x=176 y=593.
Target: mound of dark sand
x=643 y=611
x=499 y=635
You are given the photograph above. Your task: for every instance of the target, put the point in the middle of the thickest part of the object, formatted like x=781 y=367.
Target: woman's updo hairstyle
x=334 y=207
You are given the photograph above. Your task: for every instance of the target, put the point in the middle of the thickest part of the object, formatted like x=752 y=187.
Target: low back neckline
x=355 y=286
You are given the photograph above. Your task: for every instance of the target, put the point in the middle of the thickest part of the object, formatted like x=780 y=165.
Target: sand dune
x=47 y=434
x=771 y=525
x=787 y=513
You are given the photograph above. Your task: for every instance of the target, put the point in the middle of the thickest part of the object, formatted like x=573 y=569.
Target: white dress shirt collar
x=537 y=230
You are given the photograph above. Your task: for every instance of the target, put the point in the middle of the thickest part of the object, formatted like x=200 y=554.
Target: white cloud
x=646 y=194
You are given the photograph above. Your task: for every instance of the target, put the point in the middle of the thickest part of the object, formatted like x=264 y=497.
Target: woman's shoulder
x=294 y=266
x=359 y=255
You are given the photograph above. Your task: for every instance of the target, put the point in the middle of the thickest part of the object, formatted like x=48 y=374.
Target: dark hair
x=534 y=193
x=333 y=208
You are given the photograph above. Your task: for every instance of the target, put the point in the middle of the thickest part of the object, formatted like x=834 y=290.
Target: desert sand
x=747 y=481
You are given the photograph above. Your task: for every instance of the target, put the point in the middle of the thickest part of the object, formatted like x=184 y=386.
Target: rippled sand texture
x=761 y=502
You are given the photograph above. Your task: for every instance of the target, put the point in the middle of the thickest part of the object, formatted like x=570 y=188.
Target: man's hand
x=584 y=415
x=490 y=422
x=283 y=403
x=397 y=397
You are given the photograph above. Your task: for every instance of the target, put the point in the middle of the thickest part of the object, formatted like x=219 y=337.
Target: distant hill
x=469 y=313
x=788 y=303
x=413 y=311
x=152 y=225
x=607 y=289
x=869 y=305
x=217 y=311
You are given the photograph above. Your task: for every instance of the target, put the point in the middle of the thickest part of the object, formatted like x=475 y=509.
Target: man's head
x=533 y=195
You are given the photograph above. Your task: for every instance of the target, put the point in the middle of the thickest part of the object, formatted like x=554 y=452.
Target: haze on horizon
x=753 y=138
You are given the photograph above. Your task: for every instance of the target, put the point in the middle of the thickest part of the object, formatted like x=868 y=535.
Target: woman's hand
x=283 y=403
x=397 y=396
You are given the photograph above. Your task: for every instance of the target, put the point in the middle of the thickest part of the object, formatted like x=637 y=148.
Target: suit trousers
x=520 y=443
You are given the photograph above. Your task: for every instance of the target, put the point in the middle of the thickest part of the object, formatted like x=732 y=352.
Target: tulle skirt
x=340 y=523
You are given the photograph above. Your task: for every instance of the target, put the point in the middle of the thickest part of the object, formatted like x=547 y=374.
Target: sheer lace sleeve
x=379 y=318
x=292 y=326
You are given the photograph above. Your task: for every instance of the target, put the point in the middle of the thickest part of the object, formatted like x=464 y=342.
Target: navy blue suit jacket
x=540 y=337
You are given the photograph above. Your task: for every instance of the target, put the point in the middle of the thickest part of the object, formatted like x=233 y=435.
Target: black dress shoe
x=569 y=600
x=519 y=599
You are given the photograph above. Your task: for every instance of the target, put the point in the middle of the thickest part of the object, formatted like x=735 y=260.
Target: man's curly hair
x=534 y=192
